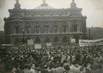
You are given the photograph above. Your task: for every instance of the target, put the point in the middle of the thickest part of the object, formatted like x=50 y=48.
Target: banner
x=38 y=46
x=30 y=42
x=97 y=42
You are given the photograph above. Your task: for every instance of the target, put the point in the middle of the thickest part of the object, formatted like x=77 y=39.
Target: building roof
x=45 y=10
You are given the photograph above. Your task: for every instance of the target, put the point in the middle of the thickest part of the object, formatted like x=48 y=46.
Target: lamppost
x=23 y=36
x=72 y=42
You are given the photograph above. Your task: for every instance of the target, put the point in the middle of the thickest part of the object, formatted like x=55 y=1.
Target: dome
x=44 y=5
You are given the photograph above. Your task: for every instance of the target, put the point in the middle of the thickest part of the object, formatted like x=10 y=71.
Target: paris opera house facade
x=45 y=24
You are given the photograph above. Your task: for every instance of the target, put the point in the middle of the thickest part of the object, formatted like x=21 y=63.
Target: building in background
x=95 y=33
x=2 y=37
x=45 y=24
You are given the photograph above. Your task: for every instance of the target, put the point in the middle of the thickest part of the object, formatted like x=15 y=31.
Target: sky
x=93 y=9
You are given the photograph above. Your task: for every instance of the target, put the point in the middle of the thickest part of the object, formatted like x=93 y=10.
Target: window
x=28 y=29
x=37 y=28
x=17 y=29
x=47 y=40
x=64 y=28
x=65 y=39
x=75 y=27
x=46 y=28
x=55 y=28
x=56 y=39
x=37 y=40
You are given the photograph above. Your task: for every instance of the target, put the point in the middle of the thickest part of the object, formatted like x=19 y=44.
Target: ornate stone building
x=45 y=24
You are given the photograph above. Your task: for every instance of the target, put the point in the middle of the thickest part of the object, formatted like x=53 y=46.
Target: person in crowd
x=27 y=69
x=84 y=59
x=75 y=68
x=57 y=69
x=67 y=69
x=33 y=70
x=14 y=70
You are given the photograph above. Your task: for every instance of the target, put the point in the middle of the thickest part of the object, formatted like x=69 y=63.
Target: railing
x=63 y=33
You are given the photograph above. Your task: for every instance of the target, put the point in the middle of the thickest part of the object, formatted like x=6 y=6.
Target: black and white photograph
x=51 y=36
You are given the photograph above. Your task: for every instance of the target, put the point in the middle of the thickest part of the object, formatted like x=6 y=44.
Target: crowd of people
x=54 y=60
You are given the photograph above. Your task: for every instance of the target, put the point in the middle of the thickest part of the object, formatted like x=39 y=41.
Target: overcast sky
x=93 y=9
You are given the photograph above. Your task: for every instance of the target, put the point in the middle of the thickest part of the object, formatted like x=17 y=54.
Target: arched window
x=28 y=28
x=47 y=40
x=17 y=29
x=64 y=28
x=65 y=39
x=37 y=40
x=16 y=41
x=56 y=39
x=34 y=29
x=46 y=27
x=55 y=28
x=37 y=28
x=75 y=27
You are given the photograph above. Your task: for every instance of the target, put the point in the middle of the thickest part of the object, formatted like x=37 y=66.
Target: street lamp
x=72 y=42
x=23 y=36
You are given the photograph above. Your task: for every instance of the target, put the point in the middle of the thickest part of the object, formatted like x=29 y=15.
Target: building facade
x=45 y=24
